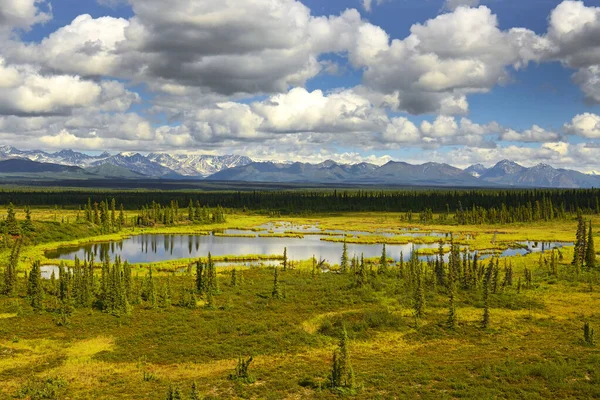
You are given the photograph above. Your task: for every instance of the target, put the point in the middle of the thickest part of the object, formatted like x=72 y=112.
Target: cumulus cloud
x=536 y=134
x=24 y=91
x=86 y=47
x=574 y=39
x=586 y=125
x=232 y=75
x=442 y=60
x=22 y=14
x=256 y=46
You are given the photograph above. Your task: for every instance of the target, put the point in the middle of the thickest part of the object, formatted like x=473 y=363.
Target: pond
x=155 y=248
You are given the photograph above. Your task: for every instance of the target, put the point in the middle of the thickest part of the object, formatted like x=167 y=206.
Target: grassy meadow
x=533 y=347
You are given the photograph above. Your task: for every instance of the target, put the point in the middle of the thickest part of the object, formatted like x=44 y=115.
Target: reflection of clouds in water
x=153 y=248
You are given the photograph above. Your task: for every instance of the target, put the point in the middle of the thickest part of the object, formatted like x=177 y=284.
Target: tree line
x=534 y=202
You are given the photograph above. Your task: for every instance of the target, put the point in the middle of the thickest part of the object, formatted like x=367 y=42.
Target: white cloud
x=66 y=140
x=86 y=47
x=536 y=134
x=442 y=60
x=26 y=91
x=303 y=111
x=22 y=14
x=256 y=46
x=586 y=125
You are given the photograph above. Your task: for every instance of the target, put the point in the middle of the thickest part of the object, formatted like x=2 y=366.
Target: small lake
x=155 y=248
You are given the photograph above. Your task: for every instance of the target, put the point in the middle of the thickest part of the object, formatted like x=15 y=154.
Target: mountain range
x=69 y=164
x=153 y=165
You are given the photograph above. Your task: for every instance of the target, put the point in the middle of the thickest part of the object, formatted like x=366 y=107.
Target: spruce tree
x=210 y=301
x=439 y=265
x=113 y=214
x=383 y=262
x=127 y=282
x=200 y=271
x=34 y=289
x=451 y=306
x=121 y=219
x=285 y=259
x=580 y=244
x=341 y=378
x=590 y=255
x=12 y=226
x=64 y=283
x=344 y=260
x=234 y=281
x=165 y=294
x=10 y=272
x=150 y=290
x=27 y=225
x=276 y=292
x=419 y=295
x=487 y=280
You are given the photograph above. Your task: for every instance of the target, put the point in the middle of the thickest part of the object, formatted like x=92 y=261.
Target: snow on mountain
x=63 y=157
x=198 y=165
x=476 y=170
x=135 y=162
x=155 y=164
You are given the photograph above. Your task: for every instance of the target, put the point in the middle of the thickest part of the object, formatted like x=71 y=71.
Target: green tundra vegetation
x=442 y=323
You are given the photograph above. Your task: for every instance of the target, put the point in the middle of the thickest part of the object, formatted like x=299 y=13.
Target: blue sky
x=459 y=81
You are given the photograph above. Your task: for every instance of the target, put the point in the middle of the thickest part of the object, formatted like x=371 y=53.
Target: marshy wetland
x=140 y=320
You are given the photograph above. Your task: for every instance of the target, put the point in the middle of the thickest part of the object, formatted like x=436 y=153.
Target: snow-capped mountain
x=155 y=164
x=476 y=170
x=135 y=162
x=131 y=165
x=63 y=157
x=198 y=164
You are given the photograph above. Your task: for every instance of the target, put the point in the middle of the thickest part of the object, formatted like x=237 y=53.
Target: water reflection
x=154 y=248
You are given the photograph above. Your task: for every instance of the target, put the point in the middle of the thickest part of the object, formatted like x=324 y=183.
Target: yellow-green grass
x=531 y=350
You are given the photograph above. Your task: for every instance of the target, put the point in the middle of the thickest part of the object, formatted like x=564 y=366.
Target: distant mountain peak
x=7 y=149
x=476 y=170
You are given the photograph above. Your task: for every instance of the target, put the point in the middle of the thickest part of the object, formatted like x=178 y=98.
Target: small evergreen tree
x=34 y=289
x=276 y=292
x=419 y=294
x=451 y=323
x=590 y=255
x=27 y=225
x=12 y=226
x=234 y=281
x=383 y=262
x=150 y=290
x=241 y=370
x=10 y=272
x=121 y=219
x=200 y=276
x=344 y=260
x=486 y=295
x=285 y=259
x=342 y=374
